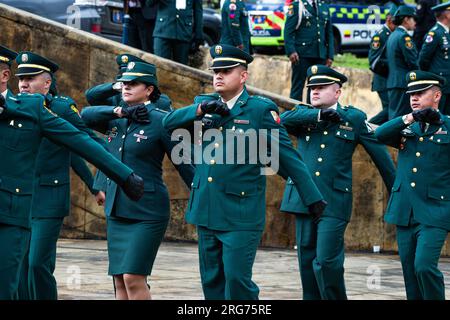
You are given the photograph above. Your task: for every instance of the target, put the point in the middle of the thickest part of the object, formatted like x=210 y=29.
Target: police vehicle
x=354 y=22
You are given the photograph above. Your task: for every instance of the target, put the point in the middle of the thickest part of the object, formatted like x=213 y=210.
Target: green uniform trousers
x=226 y=262
x=419 y=247
x=299 y=74
x=382 y=116
x=13 y=246
x=399 y=104
x=140 y=31
x=38 y=267
x=172 y=49
x=320 y=249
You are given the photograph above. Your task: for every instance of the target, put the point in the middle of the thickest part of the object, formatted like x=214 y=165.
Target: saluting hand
x=215 y=106
x=138 y=113
x=428 y=115
x=330 y=115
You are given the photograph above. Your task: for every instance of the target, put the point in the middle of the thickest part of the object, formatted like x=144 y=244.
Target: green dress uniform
x=309 y=32
x=51 y=192
x=135 y=229
x=377 y=52
x=229 y=233
x=177 y=22
x=235 y=27
x=106 y=95
x=419 y=204
x=327 y=149
x=402 y=57
x=23 y=123
x=51 y=202
x=434 y=56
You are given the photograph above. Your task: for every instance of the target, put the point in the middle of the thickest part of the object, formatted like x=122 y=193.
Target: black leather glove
x=215 y=107
x=137 y=113
x=428 y=115
x=2 y=101
x=330 y=115
x=316 y=209
x=134 y=187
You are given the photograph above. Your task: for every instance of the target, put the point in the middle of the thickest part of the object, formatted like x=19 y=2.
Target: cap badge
x=124 y=59
x=314 y=69
x=24 y=57
x=218 y=49
x=412 y=76
x=130 y=66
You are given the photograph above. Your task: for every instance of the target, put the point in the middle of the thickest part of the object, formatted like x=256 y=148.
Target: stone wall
x=87 y=60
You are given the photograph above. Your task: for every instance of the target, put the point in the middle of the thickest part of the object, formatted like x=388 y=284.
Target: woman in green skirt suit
x=136 y=136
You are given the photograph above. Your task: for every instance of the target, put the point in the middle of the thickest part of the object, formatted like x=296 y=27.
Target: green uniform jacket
x=377 y=44
x=327 y=149
x=51 y=192
x=105 y=95
x=231 y=196
x=142 y=147
x=402 y=57
x=235 y=26
x=22 y=126
x=179 y=24
x=433 y=56
x=422 y=183
x=314 y=37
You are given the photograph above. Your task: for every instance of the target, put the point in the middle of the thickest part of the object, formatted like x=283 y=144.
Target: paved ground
x=81 y=273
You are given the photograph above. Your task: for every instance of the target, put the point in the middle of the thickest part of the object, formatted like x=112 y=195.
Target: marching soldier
x=402 y=57
x=24 y=121
x=308 y=40
x=51 y=190
x=379 y=65
x=136 y=137
x=177 y=22
x=235 y=27
x=434 y=56
x=229 y=234
x=419 y=205
x=7 y=56
x=110 y=94
x=328 y=134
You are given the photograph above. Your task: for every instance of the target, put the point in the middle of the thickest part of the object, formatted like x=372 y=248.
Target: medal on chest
x=140 y=136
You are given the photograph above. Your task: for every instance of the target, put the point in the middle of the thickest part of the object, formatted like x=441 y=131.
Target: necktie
x=314 y=4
